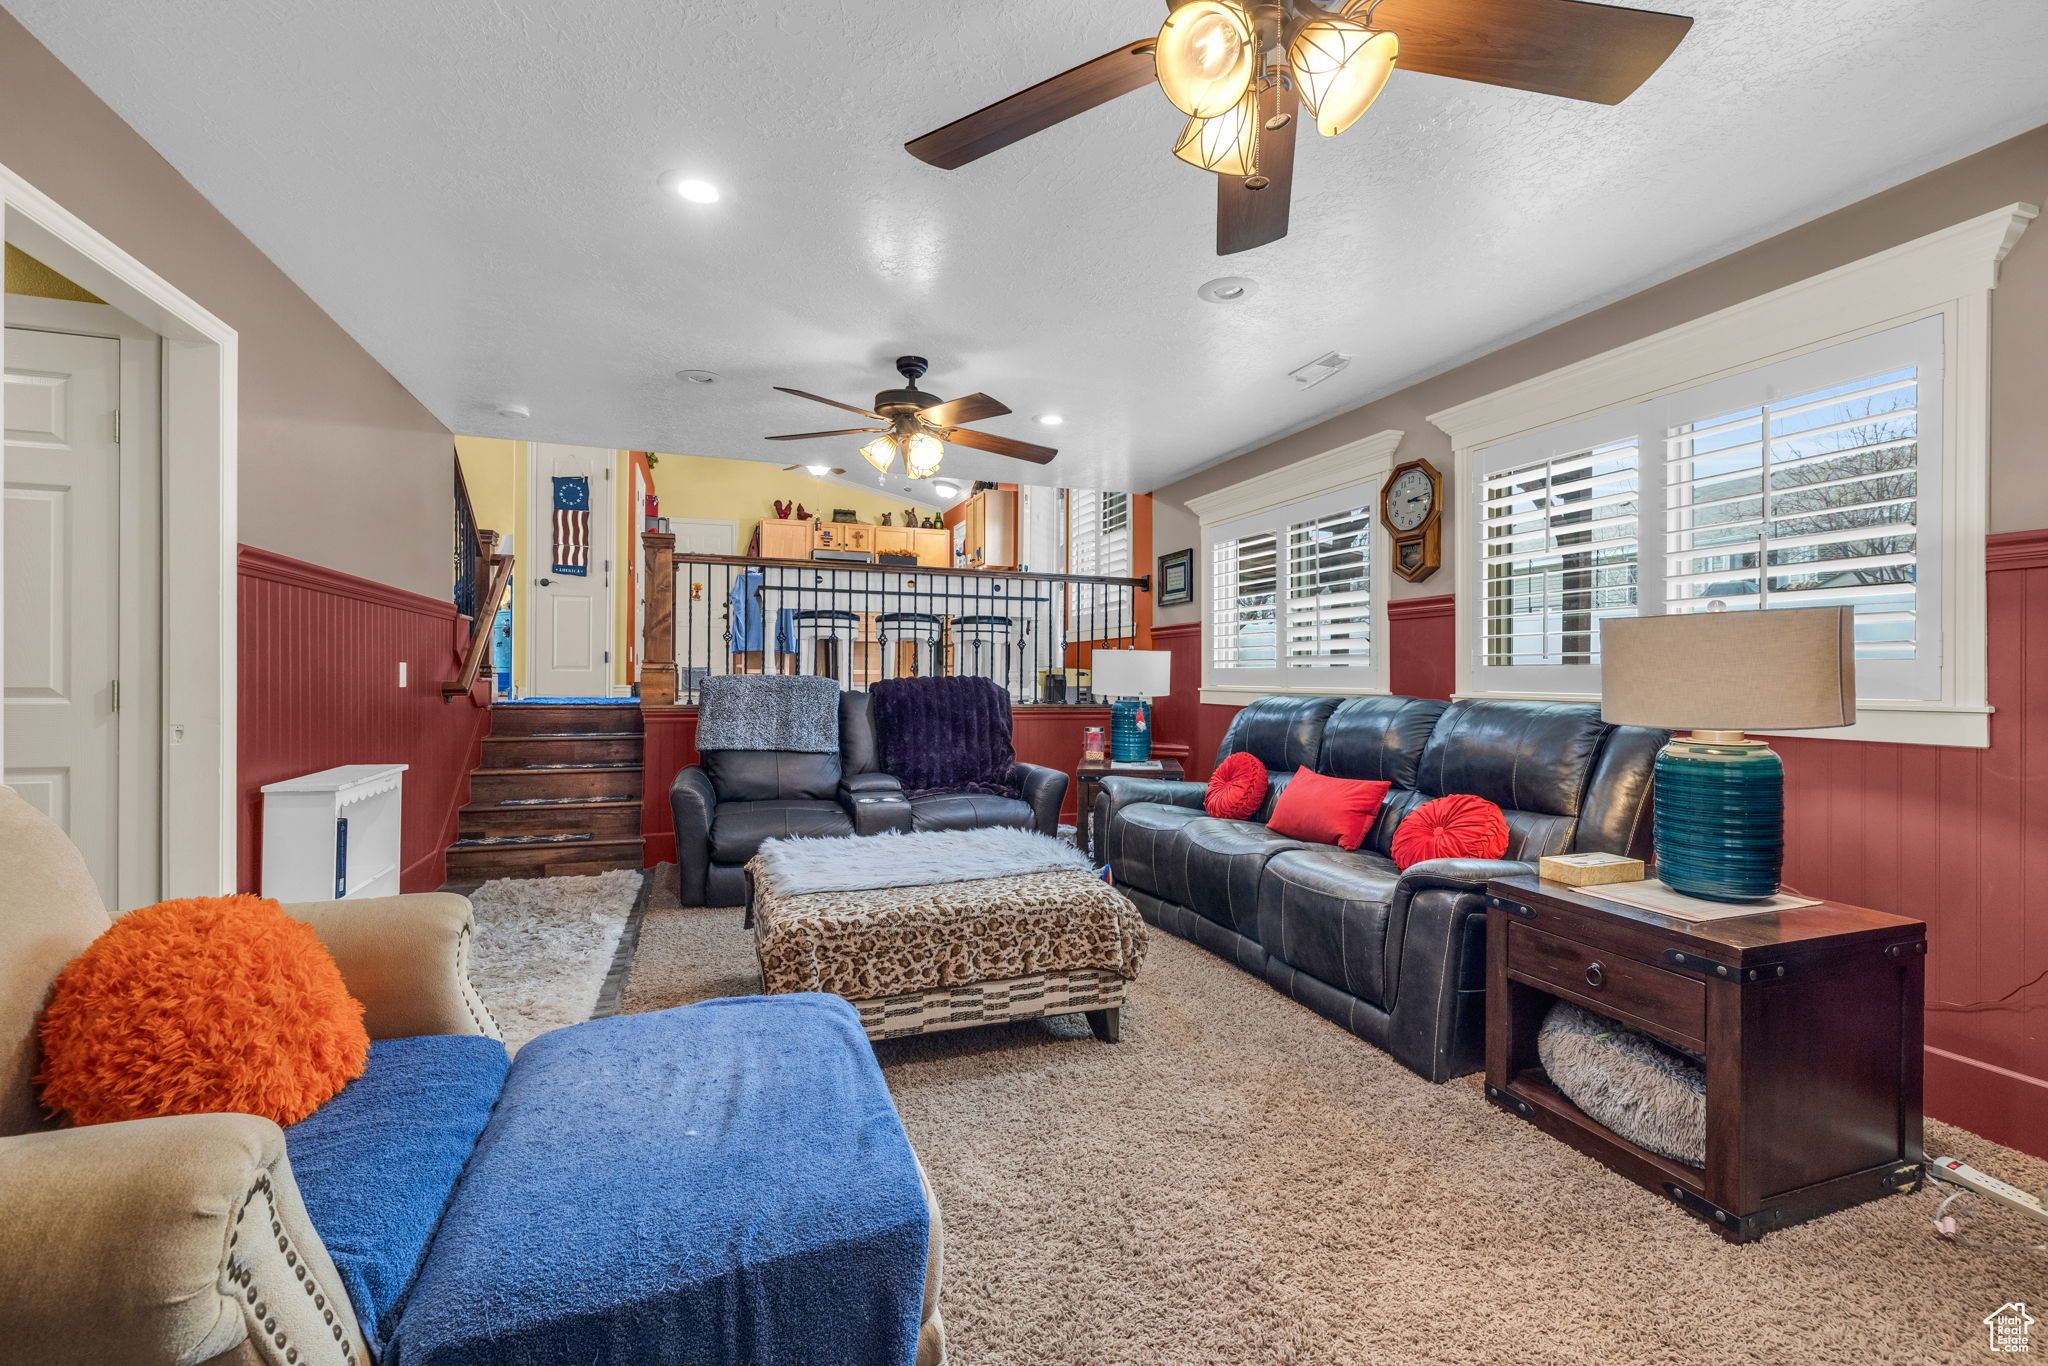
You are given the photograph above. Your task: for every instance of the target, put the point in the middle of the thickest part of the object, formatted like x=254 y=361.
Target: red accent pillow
x=1315 y=806
x=1457 y=826
x=1236 y=789
x=219 y=1003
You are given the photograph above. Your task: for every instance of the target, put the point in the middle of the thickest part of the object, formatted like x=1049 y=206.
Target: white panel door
x=570 y=621
x=62 y=567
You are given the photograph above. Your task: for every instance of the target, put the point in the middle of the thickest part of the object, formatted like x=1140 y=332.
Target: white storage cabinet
x=333 y=835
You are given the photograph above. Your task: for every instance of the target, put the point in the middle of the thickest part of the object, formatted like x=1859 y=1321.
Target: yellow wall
x=495 y=471
x=27 y=275
x=744 y=491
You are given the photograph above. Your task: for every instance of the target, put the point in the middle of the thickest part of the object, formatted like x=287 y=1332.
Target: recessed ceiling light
x=515 y=410
x=698 y=376
x=685 y=186
x=819 y=469
x=1051 y=419
x=1230 y=289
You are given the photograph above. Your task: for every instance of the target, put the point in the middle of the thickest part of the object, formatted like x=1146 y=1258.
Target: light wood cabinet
x=785 y=539
x=895 y=540
x=933 y=546
x=991 y=520
x=843 y=536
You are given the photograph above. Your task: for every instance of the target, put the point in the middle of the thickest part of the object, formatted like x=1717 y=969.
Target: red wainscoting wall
x=1955 y=837
x=1041 y=735
x=318 y=678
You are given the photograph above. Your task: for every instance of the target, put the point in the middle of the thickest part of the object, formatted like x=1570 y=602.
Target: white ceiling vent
x=1319 y=369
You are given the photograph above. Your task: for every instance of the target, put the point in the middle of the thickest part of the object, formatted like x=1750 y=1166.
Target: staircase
x=558 y=792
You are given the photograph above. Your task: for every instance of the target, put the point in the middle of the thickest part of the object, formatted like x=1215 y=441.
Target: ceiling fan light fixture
x=1227 y=144
x=922 y=453
x=1340 y=67
x=1206 y=57
x=881 y=453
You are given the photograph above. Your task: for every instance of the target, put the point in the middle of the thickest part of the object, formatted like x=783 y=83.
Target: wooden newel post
x=658 y=649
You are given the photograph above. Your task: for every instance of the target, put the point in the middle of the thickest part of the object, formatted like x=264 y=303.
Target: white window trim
x=1949 y=274
x=1365 y=462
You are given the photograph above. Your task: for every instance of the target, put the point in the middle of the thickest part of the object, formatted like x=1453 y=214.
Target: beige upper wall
x=339 y=464
x=2013 y=171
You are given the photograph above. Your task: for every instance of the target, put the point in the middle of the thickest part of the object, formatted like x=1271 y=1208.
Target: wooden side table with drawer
x=1809 y=1021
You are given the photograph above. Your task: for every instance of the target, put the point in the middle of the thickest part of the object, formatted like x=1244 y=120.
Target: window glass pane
x=1808 y=501
x=1329 y=591
x=1558 y=554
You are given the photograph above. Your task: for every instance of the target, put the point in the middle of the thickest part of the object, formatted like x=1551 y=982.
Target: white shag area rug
x=544 y=946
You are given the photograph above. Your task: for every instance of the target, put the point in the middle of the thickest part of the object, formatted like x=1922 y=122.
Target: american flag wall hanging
x=572 y=525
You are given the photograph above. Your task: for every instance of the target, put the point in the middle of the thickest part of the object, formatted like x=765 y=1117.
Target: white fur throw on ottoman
x=1648 y=1092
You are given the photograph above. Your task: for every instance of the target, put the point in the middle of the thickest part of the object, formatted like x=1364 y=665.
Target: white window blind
x=1098 y=542
x=1292 y=592
x=1809 y=482
x=1329 y=591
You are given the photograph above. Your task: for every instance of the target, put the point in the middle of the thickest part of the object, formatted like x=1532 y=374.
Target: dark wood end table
x=1088 y=781
x=1809 y=1021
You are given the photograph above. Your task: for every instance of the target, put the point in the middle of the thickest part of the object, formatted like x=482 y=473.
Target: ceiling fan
x=814 y=469
x=918 y=425
x=1240 y=69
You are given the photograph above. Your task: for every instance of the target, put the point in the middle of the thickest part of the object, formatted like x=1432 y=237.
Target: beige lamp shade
x=1730 y=671
x=1130 y=673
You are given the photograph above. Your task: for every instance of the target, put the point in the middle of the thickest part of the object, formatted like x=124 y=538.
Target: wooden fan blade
x=806 y=436
x=1247 y=218
x=1001 y=445
x=955 y=411
x=819 y=398
x=1570 y=48
x=1037 y=109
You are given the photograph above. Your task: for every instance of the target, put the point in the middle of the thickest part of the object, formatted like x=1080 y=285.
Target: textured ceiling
x=468 y=186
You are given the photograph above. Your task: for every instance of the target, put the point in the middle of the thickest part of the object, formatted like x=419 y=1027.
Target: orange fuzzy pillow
x=214 y=1004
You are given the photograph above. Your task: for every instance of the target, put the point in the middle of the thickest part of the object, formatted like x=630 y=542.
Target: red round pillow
x=1237 y=788
x=1457 y=826
x=214 y=1004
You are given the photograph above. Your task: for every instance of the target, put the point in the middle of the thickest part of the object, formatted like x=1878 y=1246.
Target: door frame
x=139 y=797
x=197 y=439
x=540 y=532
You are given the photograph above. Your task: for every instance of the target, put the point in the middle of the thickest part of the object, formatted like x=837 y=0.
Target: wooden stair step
x=524 y=720
x=491 y=785
x=531 y=751
x=618 y=816
x=481 y=862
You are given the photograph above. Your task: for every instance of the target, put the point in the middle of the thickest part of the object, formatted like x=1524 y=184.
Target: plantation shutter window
x=1292 y=592
x=1811 y=482
x=1098 y=542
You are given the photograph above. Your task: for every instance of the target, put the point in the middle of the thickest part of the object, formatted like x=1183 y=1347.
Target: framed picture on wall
x=1176 y=578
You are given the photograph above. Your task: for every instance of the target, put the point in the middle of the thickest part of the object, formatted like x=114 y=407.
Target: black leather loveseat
x=1397 y=958
x=731 y=800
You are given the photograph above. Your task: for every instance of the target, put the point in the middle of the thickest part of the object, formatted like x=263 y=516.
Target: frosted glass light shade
x=922 y=453
x=1206 y=56
x=1340 y=67
x=1227 y=144
x=881 y=453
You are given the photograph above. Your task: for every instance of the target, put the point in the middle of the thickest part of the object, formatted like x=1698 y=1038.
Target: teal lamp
x=1720 y=798
x=1132 y=677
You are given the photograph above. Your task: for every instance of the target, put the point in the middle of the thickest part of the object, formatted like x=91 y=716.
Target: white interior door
x=63 y=573
x=569 y=595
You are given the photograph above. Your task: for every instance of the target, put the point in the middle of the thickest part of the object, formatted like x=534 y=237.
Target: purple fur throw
x=945 y=735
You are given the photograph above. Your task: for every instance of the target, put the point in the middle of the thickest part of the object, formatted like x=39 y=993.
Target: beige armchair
x=180 y=1240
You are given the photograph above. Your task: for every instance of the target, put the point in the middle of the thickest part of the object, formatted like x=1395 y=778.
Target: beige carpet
x=544 y=945
x=1242 y=1182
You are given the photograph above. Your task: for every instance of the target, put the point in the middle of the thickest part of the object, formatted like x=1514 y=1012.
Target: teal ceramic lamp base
x=1130 y=731
x=1720 y=816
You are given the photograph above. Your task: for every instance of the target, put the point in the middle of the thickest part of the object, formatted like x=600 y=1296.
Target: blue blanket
x=376 y=1163
x=720 y=1184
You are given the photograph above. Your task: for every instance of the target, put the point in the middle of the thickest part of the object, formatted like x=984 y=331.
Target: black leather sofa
x=1397 y=958
x=725 y=805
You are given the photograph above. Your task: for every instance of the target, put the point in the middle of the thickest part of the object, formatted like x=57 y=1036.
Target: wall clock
x=1411 y=507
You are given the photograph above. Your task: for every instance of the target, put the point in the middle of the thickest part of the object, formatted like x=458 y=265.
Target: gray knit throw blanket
x=796 y=713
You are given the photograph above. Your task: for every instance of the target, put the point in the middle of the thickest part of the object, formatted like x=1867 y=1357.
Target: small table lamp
x=1130 y=676
x=1721 y=796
